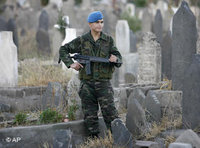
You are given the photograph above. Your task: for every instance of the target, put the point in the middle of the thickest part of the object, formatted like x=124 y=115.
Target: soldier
x=95 y=89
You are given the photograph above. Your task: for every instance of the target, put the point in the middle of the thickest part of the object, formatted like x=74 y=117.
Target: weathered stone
x=121 y=135
x=166 y=56
x=146 y=21
x=146 y=144
x=135 y=118
x=121 y=96
x=38 y=136
x=4 y=107
x=62 y=139
x=3 y=24
x=184 y=37
x=179 y=145
x=54 y=96
x=149 y=67
x=158 y=26
x=8 y=60
x=43 y=42
x=73 y=96
x=152 y=105
x=170 y=102
x=138 y=95
x=191 y=99
x=11 y=26
x=123 y=37
x=44 y=21
x=133 y=42
x=189 y=137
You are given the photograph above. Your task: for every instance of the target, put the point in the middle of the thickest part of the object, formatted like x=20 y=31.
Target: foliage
x=139 y=3
x=72 y=110
x=2 y=3
x=44 y=2
x=50 y=116
x=133 y=22
x=61 y=23
x=195 y=3
x=20 y=118
x=78 y=2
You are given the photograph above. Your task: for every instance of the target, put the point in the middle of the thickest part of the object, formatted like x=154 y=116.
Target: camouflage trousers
x=94 y=94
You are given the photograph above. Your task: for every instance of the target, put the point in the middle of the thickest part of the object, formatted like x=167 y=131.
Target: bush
x=72 y=110
x=44 y=2
x=20 y=118
x=50 y=116
x=2 y=3
x=139 y=3
x=78 y=2
x=61 y=23
x=133 y=22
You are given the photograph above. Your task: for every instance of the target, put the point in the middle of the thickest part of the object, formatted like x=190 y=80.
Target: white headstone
x=123 y=37
x=70 y=34
x=8 y=60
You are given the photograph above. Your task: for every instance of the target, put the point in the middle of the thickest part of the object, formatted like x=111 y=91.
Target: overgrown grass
x=35 y=73
x=106 y=142
x=164 y=125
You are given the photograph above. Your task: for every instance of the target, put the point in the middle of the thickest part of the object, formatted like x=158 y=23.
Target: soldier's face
x=97 y=26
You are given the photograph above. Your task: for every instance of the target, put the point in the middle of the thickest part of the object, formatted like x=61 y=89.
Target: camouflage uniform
x=95 y=88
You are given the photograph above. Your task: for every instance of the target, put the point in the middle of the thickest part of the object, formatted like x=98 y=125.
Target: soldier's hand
x=76 y=66
x=113 y=58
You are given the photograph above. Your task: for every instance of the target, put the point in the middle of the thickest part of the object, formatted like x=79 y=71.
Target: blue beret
x=95 y=16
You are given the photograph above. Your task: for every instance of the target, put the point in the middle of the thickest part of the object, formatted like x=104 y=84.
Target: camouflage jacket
x=85 y=45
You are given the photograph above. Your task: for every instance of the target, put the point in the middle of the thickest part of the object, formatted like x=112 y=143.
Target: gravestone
x=3 y=24
x=122 y=137
x=11 y=26
x=135 y=118
x=123 y=37
x=133 y=42
x=8 y=60
x=191 y=98
x=53 y=97
x=180 y=145
x=149 y=64
x=198 y=42
x=146 y=21
x=153 y=106
x=184 y=37
x=166 y=56
x=123 y=45
x=62 y=139
x=44 y=21
x=158 y=26
x=43 y=42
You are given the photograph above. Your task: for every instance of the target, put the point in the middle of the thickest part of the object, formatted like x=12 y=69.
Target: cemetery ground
x=36 y=73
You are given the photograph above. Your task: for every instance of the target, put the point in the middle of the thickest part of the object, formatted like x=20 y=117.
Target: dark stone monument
x=44 y=21
x=3 y=24
x=133 y=42
x=121 y=135
x=54 y=96
x=158 y=26
x=62 y=139
x=184 y=37
x=191 y=97
x=166 y=53
x=43 y=42
x=11 y=26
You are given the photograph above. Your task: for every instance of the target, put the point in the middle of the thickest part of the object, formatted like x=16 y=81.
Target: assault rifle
x=83 y=59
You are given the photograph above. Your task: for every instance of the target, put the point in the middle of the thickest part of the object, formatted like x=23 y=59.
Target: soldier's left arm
x=115 y=51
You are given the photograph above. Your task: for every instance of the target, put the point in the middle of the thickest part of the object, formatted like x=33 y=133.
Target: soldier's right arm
x=72 y=47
